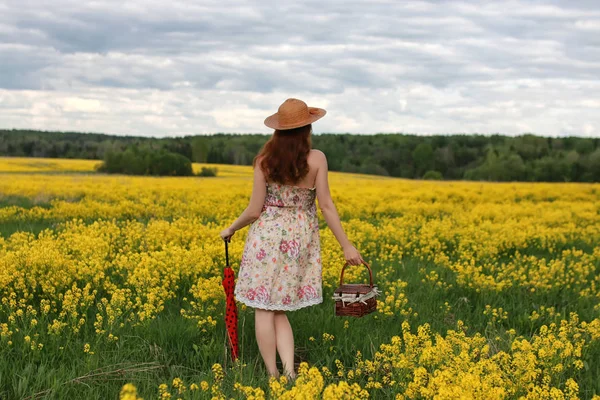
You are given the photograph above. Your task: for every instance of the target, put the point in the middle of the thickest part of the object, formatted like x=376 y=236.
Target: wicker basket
x=357 y=299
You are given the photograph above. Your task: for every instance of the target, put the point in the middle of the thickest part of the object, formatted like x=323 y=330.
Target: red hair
x=284 y=158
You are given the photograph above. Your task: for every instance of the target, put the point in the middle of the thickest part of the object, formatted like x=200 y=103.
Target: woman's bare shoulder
x=317 y=155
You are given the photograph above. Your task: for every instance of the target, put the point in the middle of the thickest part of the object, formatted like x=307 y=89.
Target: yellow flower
x=129 y=392
x=328 y=337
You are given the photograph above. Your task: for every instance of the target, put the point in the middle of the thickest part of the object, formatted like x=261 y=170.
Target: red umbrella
x=231 y=317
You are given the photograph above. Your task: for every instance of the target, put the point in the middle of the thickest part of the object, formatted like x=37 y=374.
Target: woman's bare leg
x=285 y=343
x=265 y=337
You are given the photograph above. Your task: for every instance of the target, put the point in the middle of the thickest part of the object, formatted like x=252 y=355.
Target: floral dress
x=281 y=264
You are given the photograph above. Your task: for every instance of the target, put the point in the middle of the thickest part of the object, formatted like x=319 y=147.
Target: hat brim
x=315 y=114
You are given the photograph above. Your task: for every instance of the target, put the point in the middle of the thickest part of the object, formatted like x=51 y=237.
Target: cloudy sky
x=180 y=67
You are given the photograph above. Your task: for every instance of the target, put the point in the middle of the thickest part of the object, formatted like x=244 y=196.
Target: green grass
x=21 y=201
x=35 y=227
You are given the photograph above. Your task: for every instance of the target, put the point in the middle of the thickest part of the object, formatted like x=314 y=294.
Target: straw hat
x=294 y=113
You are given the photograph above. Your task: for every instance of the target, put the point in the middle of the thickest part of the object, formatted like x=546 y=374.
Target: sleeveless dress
x=281 y=263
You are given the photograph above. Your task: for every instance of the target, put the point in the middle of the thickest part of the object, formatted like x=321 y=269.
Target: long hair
x=283 y=159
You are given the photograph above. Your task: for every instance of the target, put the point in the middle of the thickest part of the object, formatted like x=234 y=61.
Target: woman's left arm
x=252 y=212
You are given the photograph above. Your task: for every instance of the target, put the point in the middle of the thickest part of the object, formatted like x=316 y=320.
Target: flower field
x=110 y=286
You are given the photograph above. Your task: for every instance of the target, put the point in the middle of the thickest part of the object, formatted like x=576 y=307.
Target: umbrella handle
x=226 y=253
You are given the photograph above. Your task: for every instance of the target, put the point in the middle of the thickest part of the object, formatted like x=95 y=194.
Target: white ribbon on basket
x=352 y=298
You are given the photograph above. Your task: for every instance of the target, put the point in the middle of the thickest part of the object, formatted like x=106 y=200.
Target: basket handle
x=365 y=264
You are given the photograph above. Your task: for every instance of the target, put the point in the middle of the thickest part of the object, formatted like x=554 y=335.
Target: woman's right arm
x=329 y=211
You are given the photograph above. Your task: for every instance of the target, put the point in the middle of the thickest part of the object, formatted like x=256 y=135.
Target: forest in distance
x=452 y=157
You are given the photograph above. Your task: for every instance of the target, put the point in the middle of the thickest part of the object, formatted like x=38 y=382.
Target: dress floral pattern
x=281 y=263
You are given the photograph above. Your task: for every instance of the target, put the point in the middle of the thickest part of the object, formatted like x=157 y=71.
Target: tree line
x=474 y=157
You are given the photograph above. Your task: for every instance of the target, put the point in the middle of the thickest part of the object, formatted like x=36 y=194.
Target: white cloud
x=158 y=68
x=588 y=24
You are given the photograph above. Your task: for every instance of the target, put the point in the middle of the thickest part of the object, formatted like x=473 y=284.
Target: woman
x=281 y=266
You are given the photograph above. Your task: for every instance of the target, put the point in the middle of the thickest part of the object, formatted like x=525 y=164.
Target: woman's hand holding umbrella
x=226 y=234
